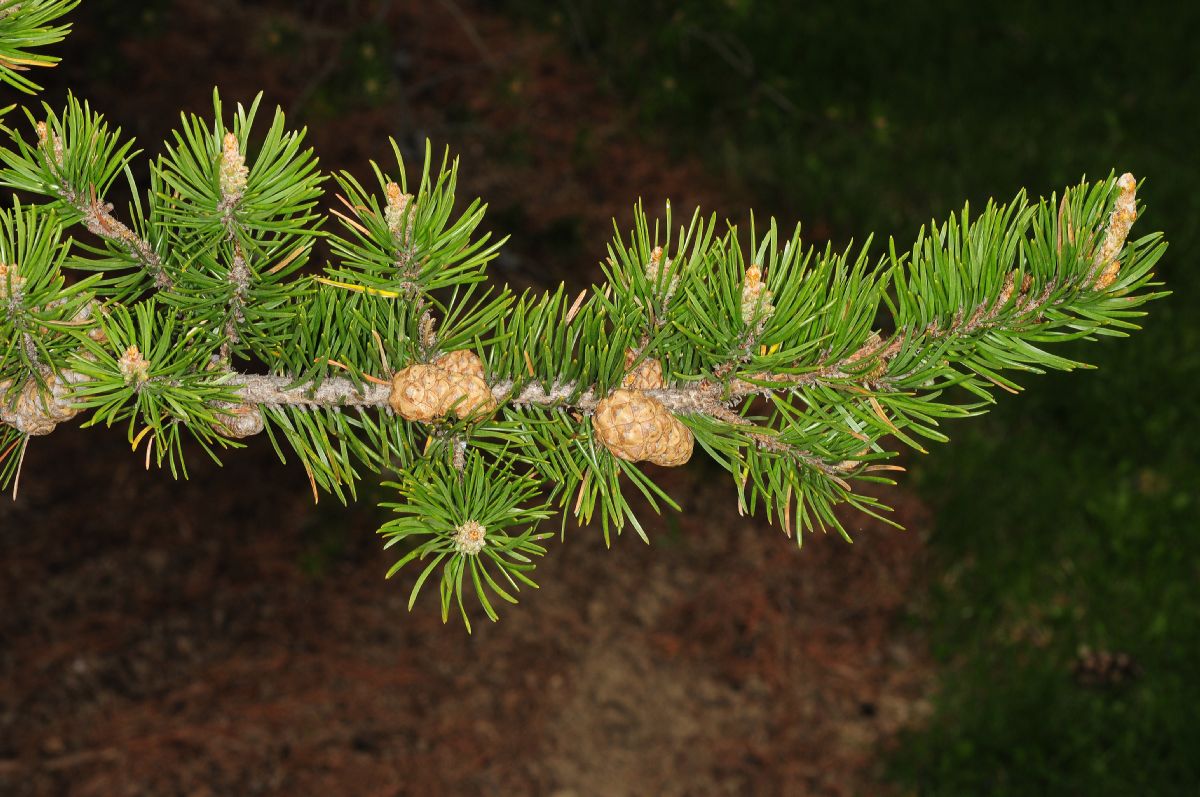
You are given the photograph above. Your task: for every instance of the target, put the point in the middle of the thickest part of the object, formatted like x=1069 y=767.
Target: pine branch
x=494 y=409
x=95 y=212
x=74 y=160
x=280 y=391
x=98 y=219
x=865 y=368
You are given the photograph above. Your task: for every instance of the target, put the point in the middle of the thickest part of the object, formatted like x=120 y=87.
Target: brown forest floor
x=221 y=636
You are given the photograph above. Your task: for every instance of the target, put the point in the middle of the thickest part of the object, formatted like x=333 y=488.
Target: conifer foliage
x=194 y=319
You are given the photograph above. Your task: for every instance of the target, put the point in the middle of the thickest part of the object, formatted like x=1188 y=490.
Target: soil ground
x=223 y=636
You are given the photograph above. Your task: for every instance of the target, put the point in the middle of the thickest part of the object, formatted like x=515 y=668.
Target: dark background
x=224 y=636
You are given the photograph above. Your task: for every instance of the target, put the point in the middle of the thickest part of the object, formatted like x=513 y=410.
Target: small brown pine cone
x=37 y=412
x=463 y=361
x=626 y=421
x=647 y=376
x=426 y=392
x=423 y=392
x=477 y=396
x=239 y=420
x=676 y=446
x=635 y=427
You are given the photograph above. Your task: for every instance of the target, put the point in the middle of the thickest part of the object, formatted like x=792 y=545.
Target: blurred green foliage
x=1064 y=518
